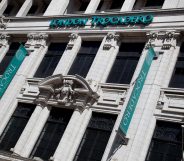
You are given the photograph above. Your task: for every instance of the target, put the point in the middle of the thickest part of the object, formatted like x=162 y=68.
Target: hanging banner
x=130 y=108
x=12 y=69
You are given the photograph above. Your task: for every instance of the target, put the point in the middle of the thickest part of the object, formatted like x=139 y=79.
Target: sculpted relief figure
x=65 y=93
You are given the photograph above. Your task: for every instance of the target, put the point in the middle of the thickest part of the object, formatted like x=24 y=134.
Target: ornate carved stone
x=3 y=22
x=66 y=90
x=164 y=39
x=72 y=37
x=111 y=40
x=36 y=39
x=4 y=39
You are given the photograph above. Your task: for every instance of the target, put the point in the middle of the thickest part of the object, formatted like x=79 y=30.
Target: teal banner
x=12 y=69
x=130 y=108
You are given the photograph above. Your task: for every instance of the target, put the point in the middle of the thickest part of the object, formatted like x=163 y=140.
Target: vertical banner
x=12 y=69
x=130 y=108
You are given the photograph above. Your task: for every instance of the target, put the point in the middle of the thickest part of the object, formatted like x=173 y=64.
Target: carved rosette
x=165 y=39
x=111 y=40
x=36 y=39
x=4 y=38
x=68 y=90
x=73 y=37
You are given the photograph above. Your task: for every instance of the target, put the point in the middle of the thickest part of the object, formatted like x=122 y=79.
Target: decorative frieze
x=111 y=40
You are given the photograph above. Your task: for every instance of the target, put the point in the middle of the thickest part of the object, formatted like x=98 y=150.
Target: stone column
x=37 y=47
x=170 y=4
x=3 y=5
x=69 y=55
x=25 y=8
x=127 y=5
x=143 y=121
x=56 y=7
x=92 y=7
x=104 y=59
x=4 y=46
x=72 y=136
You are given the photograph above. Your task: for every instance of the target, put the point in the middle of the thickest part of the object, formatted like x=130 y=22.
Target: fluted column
x=92 y=7
x=72 y=136
x=69 y=55
x=4 y=46
x=107 y=54
x=37 y=47
x=25 y=8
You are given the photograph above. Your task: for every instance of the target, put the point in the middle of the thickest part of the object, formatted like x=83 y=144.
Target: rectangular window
x=95 y=139
x=51 y=133
x=84 y=59
x=15 y=126
x=166 y=143
x=8 y=57
x=125 y=63
x=155 y=3
x=51 y=59
x=177 y=80
x=148 y=4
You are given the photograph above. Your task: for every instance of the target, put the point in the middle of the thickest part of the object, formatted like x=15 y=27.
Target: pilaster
x=92 y=7
x=69 y=55
x=25 y=8
x=127 y=5
x=4 y=46
x=37 y=48
x=104 y=59
x=3 y=5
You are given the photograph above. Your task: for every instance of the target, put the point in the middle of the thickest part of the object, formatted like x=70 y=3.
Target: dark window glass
x=84 y=58
x=100 y=5
x=177 y=80
x=50 y=60
x=33 y=10
x=117 y=4
x=8 y=10
x=166 y=143
x=83 y=6
x=125 y=63
x=51 y=133
x=150 y=3
x=15 y=126
x=8 y=57
x=95 y=138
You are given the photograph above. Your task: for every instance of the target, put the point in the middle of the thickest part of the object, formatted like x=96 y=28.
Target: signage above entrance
x=102 y=21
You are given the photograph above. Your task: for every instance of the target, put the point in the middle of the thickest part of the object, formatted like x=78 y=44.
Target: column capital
x=112 y=39
x=165 y=39
x=37 y=39
x=4 y=38
x=73 y=37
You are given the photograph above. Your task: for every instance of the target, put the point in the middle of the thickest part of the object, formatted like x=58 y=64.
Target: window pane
x=15 y=126
x=125 y=63
x=84 y=58
x=177 y=80
x=51 y=133
x=166 y=143
x=117 y=4
x=50 y=60
x=150 y=3
x=8 y=57
x=95 y=138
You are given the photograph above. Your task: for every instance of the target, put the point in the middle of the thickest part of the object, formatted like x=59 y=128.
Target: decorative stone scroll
x=111 y=40
x=4 y=39
x=73 y=38
x=71 y=90
x=3 y=23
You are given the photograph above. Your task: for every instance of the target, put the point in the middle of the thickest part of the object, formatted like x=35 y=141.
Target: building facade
x=68 y=98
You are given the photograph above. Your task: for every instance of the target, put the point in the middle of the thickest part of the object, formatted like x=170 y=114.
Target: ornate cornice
x=71 y=90
x=110 y=41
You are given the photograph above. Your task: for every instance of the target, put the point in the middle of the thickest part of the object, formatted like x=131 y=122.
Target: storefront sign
x=130 y=108
x=12 y=69
x=102 y=21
